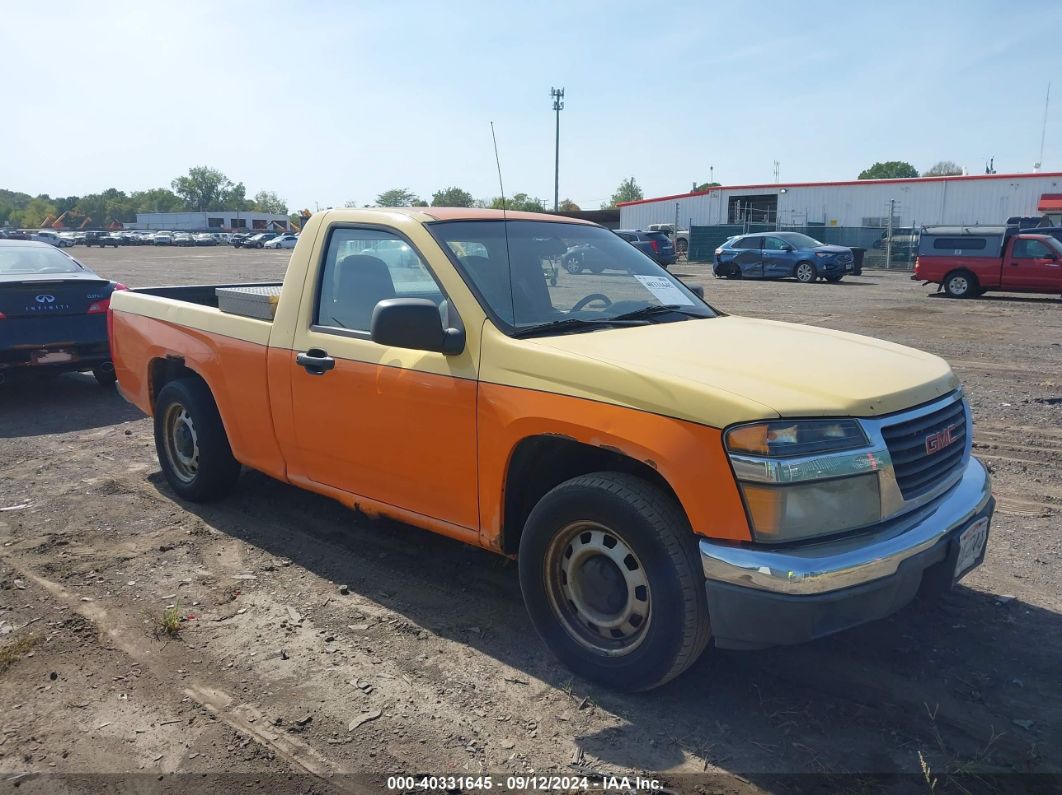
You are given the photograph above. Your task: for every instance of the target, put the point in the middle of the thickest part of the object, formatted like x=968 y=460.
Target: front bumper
x=765 y=597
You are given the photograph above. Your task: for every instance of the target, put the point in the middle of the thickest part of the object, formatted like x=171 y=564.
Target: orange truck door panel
x=393 y=425
x=396 y=435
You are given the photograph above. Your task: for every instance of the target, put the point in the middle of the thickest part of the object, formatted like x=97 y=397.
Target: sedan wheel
x=805 y=272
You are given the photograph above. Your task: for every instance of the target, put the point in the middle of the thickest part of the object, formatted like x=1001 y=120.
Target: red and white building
x=973 y=199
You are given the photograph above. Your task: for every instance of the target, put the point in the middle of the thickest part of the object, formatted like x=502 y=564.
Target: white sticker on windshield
x=664 y=290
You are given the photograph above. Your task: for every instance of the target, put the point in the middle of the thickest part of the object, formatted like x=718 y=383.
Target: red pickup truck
x=968 y=261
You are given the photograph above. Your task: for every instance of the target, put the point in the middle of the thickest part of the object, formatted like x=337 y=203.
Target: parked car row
x=138 y=237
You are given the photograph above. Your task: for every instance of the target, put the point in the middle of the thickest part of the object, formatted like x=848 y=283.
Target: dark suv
x=655 y=245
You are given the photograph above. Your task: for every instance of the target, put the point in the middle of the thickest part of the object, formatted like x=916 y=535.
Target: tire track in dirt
x=238 y=716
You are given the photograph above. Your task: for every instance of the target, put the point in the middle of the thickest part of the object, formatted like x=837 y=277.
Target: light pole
x=558 y=106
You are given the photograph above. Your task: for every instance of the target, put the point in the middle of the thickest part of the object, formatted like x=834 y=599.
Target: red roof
x=1050 y=202
x=776 y=185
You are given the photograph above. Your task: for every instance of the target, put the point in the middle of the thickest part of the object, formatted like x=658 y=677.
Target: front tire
x=805 y=272
x=611 y=577
x=835 y=279
x=191 y=443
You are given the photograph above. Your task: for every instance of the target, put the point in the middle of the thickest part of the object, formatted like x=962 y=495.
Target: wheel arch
x=539 y=463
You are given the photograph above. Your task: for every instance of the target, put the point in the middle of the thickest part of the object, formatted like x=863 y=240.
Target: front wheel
x=834 y=279
x=611 y=577
x=805 y=272
x=191 y=443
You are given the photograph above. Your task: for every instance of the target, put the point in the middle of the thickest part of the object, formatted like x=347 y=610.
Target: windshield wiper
x=657 y=309
x=576 y=324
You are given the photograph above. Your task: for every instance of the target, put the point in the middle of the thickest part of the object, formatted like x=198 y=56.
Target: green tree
x=518 y=201
x=33 y=214
x=206 y=188
x=452 y=197
x=890 y=169
x=943 y=168
x=568 y=206
x=266 y=201
x=628 y=191
x=156 y=200
x=398 y=197
x=704 y=186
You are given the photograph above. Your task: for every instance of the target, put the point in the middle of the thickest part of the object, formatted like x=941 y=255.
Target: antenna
x=1043 y=132
x=497 y=162
x=505 y=222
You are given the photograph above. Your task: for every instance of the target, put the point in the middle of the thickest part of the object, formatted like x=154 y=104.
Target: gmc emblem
x=936 y=442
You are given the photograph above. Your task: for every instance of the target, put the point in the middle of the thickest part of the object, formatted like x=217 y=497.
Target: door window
x=364 y=267
x=749 y=242
x=1030 y=249
x=774 y=244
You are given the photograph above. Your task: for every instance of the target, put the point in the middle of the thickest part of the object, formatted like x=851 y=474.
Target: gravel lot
x=318 y=643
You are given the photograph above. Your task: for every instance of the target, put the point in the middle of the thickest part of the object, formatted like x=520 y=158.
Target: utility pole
x=558 y=106
x=776 y=168
x=888 y=235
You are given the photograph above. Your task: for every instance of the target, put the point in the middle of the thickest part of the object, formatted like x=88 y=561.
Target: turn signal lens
x=795 y=438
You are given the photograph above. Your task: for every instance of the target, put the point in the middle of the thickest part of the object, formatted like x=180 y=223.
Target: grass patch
x=169 y=623
x=13 y=650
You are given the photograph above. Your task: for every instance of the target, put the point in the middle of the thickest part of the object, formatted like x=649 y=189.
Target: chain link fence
x=881 y=248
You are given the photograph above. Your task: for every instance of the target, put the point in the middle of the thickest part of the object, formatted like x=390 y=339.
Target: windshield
x=30 y=259
x=798 y=240
x=544 y=272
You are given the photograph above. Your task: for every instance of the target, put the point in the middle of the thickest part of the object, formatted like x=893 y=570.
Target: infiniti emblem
x=45 y=299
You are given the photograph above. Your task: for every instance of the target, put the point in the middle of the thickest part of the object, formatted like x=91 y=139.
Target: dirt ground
x=314 y=643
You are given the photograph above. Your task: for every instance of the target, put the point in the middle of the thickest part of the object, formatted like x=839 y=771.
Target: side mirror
x=787 y=247
x=414 y=323
x=698 y=290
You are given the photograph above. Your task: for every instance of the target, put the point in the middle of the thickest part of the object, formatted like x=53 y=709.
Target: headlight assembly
x=806 y=478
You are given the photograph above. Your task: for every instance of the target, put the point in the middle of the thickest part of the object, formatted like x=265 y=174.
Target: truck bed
x=202 y=294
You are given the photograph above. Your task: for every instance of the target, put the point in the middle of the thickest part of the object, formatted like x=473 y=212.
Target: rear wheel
x=805 y=272
x=191 y=443
x=612 y=581
x=961 y=284
x=734 y=271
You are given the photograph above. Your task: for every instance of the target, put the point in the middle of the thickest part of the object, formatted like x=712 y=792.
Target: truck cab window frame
x=326 y=286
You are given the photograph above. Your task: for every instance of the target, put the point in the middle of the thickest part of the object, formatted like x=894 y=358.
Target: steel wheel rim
x=804 y=272
x=598 y=588
x=181 y=442
x=959 y=285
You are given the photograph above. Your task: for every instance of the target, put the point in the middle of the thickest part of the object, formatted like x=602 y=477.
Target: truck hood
x=741 y=368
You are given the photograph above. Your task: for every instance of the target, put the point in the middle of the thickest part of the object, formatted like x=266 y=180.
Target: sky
x=333 y=102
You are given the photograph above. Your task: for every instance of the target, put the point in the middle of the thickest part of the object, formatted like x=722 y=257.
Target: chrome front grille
x=928 y=450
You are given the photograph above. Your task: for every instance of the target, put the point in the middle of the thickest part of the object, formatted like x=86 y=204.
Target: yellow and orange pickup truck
x=665 y=474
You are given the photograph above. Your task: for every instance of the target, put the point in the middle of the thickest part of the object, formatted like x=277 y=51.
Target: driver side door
x=390 y=424
x=1032 y=266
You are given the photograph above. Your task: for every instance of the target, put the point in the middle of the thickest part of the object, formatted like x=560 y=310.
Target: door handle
x=316 y=361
